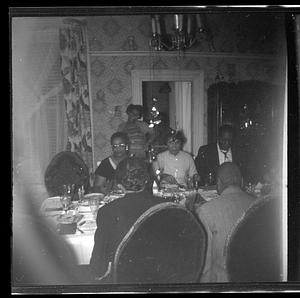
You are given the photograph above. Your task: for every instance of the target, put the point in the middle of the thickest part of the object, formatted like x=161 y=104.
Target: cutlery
x=80 y=230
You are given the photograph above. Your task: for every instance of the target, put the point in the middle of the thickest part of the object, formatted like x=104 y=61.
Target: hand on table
x=119 y=187
x=194 y=201
x=168 y=179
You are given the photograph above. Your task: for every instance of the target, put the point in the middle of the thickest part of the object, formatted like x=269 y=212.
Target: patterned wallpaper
x=233 y=32
x=111 y=75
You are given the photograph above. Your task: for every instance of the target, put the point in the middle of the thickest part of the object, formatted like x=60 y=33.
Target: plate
x=113 y=196
x=51 y=204
x=166 y=194
x=117 y=192
x=110 y=197
x=69 y=218
x=173 y=190
x=54 y=198
x=95 y=194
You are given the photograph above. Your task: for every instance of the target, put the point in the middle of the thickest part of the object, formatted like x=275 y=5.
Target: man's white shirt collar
x=222 y=156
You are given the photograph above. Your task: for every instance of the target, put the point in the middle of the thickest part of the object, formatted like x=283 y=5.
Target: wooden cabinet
x=255 y=109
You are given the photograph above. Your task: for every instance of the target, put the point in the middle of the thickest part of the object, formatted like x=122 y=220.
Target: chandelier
x=188 y=30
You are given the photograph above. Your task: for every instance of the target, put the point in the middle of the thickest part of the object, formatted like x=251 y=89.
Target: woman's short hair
x=133 y=107
x=121 y=135
x=175 y=135
x=132 y=173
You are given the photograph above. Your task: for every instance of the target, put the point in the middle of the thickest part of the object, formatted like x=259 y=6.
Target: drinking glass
x=250 y=187
x=196 y=184
x=81 y=194
x=189 y=182
x=94 y=204
x=69 y=189
x=65 y=201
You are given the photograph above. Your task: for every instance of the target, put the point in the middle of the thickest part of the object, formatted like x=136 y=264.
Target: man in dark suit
x=211 y=156
x=115 y=219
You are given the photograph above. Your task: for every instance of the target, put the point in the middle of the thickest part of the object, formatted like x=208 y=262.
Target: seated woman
x=175 y=166
x=116 y=218
x=104 y=174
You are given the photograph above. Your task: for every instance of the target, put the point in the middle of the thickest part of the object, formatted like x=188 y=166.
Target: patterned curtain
x=73 y=52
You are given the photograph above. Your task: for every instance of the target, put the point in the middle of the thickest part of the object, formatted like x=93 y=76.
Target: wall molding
x=184 y=54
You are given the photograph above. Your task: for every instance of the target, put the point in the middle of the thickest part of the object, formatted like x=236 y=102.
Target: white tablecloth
x=83 y=243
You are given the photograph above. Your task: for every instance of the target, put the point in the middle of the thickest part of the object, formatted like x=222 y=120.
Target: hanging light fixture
x=188 y=30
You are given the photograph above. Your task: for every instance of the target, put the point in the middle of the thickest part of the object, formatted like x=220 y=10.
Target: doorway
x=185 y=104
x=162 y=92
x=173 y=101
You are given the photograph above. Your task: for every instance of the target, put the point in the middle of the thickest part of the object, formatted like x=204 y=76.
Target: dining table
x=83 y=221
x=76 y=226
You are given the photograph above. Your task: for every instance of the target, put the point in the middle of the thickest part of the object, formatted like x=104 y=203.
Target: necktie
x=225 y=155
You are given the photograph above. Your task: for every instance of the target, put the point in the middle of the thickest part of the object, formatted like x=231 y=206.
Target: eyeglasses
x=174 y=142
x=116 y=146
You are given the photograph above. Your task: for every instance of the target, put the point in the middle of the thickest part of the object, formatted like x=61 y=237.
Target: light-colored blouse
x=180 y=166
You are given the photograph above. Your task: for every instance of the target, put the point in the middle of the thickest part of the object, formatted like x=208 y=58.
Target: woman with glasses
x=104 y=174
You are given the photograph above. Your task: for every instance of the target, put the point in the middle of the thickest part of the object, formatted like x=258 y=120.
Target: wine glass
x=209 y=179
x=65 y=201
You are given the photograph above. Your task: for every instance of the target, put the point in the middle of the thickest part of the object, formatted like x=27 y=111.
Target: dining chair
x=167 y=244
x=66 y=168
x=254 y=249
